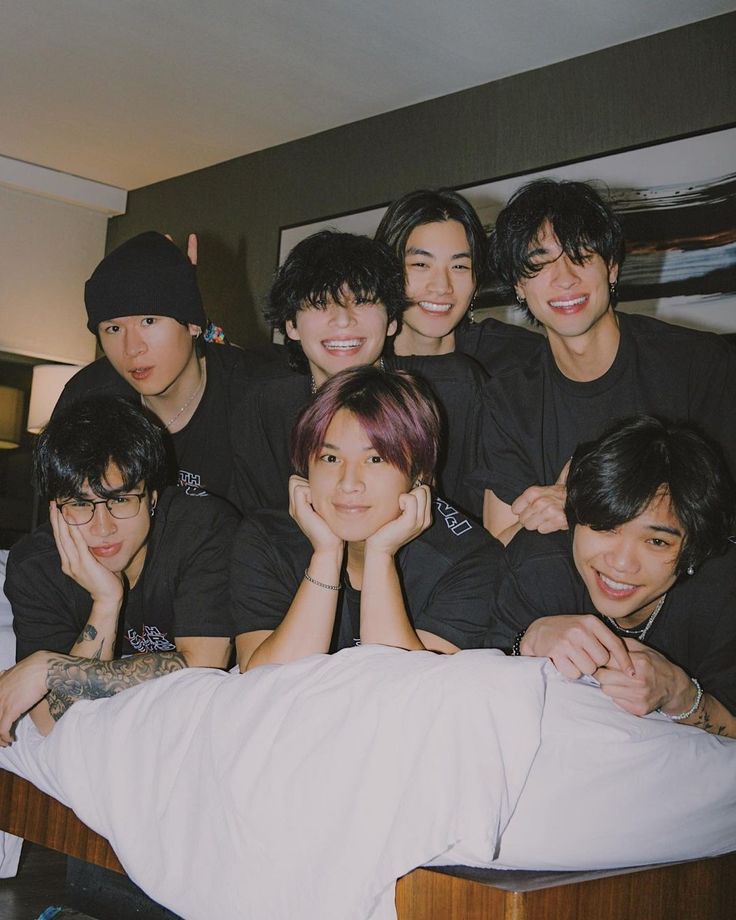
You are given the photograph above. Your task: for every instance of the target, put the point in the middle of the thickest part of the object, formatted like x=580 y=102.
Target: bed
x=694 y=889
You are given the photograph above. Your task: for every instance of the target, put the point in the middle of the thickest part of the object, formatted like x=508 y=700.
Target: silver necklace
x=313 y=382
x=187 y=404
x=638 y=632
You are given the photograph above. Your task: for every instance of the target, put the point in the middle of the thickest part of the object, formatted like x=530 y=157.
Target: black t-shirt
x=448 y=576
x=201 y=454
x=182 y=590
x=533 y=418
x=695 y=629
x=498 y=347
x=268 y=409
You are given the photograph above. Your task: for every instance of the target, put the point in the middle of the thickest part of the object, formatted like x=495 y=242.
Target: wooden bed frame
x=703 y=889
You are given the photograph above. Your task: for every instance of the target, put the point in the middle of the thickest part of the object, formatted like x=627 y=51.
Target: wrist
x=689 y=701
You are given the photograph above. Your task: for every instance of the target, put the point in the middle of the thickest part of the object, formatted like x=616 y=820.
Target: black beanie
x=147 y=275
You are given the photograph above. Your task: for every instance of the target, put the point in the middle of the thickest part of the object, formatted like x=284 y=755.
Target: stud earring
x=521 y=301
x=691 y=569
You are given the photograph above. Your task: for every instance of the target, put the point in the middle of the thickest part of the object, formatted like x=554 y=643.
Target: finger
x=62 y=539
x=522 y=502
x=562 y=478
x=192 y=246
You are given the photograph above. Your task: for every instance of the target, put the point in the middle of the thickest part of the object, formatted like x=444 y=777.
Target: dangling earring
x=521 y=301
x=691 y=569
x=152 y=510
x=471 y=311
x=613 y=290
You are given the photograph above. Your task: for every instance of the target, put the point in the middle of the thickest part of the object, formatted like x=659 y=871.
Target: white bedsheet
x=305 y=790
x=299 y=791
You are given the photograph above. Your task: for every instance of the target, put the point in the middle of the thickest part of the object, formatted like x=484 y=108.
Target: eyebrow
x=329 y=446
x=415 y=251
x=662 y=528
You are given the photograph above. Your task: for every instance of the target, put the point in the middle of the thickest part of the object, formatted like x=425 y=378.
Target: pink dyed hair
x=395 y=409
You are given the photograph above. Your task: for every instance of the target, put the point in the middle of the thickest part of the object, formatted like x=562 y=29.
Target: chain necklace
x=637 y=632
x=313 y=382
x=200 y=387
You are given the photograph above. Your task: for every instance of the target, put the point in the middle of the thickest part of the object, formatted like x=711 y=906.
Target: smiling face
x=340 y=335
x=627 y=570
x=117 y=544
x=439 y=286
x=567 y=298
x=154 y=354
x=352 y=488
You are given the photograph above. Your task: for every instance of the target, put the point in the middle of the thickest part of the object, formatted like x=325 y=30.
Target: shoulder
x=97 y=377
x=453 y=535
x=646 y=330
x=497 y=345
x=33 y=549
x=269 y=532
x=246 y=362
x=176 y=507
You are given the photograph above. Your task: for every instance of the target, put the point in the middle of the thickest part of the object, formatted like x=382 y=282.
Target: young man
x=560 y=247
x=145 y=308
x=642 y=593
x=123 y=568
x=336 y=298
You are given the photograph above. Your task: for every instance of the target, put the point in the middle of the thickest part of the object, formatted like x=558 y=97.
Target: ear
x=392 y=327
x=291 y=330
x=519 y=289
x=613 y=273
x=194 y=331
x=153 y=499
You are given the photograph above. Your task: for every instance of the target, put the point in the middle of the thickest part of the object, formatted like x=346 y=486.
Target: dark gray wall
x=657 y=88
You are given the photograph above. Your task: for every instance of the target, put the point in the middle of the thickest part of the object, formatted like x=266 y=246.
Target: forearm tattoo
x=705 y=721
x=88 y=634
x=70 y=678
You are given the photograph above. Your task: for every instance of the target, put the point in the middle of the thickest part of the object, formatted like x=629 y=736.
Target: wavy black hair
x=323 y=266
x=80 y=443
x=614 y=478
x=582 y=222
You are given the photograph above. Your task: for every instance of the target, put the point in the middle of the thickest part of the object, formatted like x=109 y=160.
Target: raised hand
x=314 y=527
x=414 y=518
x=542 y=508
x=104 y=586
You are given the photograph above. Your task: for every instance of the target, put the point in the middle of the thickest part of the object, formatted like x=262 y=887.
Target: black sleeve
x=46 y=613
x=717 y=671
x=503 y=464
x=538 y=579
x=263 y=580
x=202 y=591
x=459 y=608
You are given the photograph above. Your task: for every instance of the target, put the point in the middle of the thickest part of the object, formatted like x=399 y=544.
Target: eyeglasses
x=79 y=511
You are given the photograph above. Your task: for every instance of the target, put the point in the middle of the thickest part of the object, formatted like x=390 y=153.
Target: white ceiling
x=128 y=92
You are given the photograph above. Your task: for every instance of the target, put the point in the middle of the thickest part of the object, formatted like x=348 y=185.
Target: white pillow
x=609 y=789
x=6 y=614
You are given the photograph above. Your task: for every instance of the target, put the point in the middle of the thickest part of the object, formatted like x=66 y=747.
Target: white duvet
x=306 y=790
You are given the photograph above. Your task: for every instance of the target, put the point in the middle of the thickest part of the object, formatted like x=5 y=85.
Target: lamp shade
x=48 y=382
x=11 y=416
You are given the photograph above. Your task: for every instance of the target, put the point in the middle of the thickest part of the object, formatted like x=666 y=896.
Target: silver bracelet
x=693 y=709
x=321 y=584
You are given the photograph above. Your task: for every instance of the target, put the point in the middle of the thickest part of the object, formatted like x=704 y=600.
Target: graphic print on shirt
x=191 y=483
x=456 y=522
x=152 y=640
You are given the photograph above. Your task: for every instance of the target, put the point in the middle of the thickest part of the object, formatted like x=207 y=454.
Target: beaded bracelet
x=321 y=584
x=516 y=647
x=692 y=710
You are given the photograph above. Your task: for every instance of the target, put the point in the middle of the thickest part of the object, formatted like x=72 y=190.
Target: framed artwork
x=677 y=204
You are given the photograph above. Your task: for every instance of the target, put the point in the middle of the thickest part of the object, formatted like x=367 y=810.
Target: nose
x=103 y=524
x=440 y=280
x=134 y=342
x=621 y=555
x=341 y=316
x=351 y=479
x=565 y=271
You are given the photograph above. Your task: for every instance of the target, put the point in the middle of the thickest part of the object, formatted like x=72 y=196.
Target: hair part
x=323 y=267
x=434 y=206
x=581 y=219
x=615 y=478
x=396 y=410
x=81 y=442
